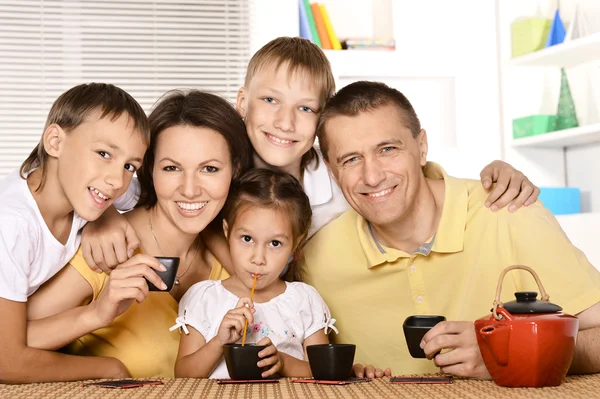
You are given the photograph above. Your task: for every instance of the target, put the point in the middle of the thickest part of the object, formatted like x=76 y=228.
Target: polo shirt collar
x=317 y=183
x=449 y=237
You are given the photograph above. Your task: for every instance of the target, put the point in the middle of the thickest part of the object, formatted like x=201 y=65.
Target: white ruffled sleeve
x=314 y=312
x=194 y=308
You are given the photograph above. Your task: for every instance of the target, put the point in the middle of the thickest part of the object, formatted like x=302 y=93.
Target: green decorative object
x=529 y=35
x=566 y=117
x=533 y=125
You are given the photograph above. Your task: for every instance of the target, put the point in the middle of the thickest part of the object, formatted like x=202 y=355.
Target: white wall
x=445 y=35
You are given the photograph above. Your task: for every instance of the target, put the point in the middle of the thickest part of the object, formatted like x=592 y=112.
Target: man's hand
x=232 y=327
x=108 y=241
x=464 y=358
x=269 y=358
x=368 y=371
x=512 y=186
x=126 y=284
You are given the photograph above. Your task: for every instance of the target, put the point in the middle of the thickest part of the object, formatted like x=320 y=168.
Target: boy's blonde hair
x=73 y=106
x=300 y=55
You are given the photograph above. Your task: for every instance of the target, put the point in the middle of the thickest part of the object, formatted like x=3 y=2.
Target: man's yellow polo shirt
x=371 y=289
x=140 y=337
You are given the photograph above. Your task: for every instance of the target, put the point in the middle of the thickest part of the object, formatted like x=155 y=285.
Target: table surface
x=573 y=387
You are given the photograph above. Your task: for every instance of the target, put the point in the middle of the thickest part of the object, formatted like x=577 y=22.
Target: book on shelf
x=305 y=31
x=316 y=26
x=321 y=29
x=335 y=43
x=310 y=20
x=368 y=44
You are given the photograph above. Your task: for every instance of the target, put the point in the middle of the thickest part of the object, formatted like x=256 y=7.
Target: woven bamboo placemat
x=573 y=387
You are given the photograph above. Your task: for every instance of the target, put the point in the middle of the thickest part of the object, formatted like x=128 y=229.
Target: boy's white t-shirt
x=29 y=254
x=287 y=319
x=326 y=198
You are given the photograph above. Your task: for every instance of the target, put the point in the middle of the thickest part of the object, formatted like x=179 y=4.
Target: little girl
x=266 y=218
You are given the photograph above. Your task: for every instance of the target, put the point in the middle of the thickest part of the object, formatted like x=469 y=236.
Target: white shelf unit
x=566 y=54
x=578 y=136
x=530 y=85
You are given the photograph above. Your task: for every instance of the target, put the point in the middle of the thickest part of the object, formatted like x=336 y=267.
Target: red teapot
x=527 y=342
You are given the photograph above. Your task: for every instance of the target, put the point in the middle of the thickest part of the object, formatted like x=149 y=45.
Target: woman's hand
x=269 y=358
x=232 y=327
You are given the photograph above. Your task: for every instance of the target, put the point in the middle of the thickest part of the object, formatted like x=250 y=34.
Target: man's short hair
x=364 y=96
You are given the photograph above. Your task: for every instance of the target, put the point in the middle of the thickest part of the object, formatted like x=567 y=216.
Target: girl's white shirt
x=287 y=320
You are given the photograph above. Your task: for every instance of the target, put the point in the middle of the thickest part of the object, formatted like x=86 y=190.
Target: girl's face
x=261 y=242
x=281 y=112
x=192 y=173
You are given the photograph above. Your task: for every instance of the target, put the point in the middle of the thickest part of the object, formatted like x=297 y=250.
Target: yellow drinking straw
x=246 y=323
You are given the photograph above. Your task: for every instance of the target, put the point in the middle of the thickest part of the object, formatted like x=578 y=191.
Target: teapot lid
x=527 y=303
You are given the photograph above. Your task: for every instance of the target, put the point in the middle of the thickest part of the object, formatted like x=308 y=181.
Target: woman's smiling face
x=192 y=174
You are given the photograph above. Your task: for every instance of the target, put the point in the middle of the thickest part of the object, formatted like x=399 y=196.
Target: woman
x=182 y=192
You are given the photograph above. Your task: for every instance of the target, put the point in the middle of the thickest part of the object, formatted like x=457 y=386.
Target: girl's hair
x=198 y=109
x=278 y=190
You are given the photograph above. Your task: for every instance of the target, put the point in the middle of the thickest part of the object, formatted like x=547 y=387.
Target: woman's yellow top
x=140 y=337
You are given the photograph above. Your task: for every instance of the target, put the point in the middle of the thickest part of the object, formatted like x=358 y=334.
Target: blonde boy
x=288 y=82
x=93 y=141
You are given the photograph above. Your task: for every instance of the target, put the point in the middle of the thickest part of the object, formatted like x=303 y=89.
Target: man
x=418 y=241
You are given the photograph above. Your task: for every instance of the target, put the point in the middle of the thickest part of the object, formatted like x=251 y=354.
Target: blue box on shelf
x=561 y=200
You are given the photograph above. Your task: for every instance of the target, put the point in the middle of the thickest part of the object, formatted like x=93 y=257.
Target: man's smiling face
x=377 y=162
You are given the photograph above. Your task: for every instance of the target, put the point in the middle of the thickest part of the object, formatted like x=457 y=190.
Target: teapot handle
x=497 y=301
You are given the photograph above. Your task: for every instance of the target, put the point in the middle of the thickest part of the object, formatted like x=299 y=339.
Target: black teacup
x=242 y=361
x=415 y=327
x=168 y=276
x=331 y=362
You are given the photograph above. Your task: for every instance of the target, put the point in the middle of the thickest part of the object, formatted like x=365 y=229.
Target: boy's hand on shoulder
x=108 y=241
x=126 y=284
x=369 y=371
x=512 y=187
x=232 y=327
x=269 y=358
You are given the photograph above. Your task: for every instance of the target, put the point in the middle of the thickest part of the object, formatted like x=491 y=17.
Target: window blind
x=145 y=47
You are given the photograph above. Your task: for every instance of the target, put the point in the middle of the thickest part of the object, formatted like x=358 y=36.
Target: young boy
x=94 y=140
